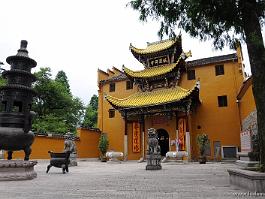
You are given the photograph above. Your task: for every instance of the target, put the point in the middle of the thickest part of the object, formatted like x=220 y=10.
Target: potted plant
x=203 y=142
x=103 y=146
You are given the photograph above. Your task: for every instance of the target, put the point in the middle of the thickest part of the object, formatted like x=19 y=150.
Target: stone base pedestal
x=12 y=170
x=250 y=180
x=245 y=162
x=176 y=155
x=153 y=167
x=153 y=162
x=113 y=157
x=73 y=161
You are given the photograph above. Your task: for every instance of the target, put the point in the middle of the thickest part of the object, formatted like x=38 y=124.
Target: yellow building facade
x=248 y=117
x=177 y=97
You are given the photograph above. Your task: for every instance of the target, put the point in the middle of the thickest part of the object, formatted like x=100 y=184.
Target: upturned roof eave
x=116 y=106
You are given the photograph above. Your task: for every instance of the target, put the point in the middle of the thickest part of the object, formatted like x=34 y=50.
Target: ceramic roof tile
x=150 y=72
x=156 y=97
x=211 y=60
x=154 y=47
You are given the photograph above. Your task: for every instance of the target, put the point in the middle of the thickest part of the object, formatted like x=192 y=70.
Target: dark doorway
x=163 y=140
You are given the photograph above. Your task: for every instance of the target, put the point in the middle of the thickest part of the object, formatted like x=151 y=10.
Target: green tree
x=76 y=113
x=62 y=78
x=52 y=95
x=57 y=109
x=90 y=119
x=50 y=123
x=224 y=21
x=103 y=146
x=2 y=80
x=94 y=102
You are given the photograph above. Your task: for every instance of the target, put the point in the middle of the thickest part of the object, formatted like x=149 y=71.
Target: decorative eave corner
x=198 y=87
x=186 y=55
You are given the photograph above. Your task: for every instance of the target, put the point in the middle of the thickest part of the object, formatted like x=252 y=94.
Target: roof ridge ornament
x=198 y=84
x=23 y=49
x=23 y=44
x=186 y=55
x=161 y=41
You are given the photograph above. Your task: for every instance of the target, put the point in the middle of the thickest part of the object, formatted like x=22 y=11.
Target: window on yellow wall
x=219 y=70
x=111 y=87
x=111 y=113
x=129 y=85
x=191 y=74
x=222 y=101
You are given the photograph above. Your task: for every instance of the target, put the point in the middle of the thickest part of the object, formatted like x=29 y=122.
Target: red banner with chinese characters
x=181 y=133
x=136 y=137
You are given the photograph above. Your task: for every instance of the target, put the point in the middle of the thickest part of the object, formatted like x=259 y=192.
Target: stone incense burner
x=15 y=104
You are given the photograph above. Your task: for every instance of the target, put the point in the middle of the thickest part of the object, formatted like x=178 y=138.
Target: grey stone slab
x=94 y=179
x=250 y=180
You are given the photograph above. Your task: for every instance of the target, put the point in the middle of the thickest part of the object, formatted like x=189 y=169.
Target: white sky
x=80 y=36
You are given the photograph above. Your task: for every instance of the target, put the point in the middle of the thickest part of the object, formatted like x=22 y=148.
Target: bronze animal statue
x=153 y=145
x=153 y=155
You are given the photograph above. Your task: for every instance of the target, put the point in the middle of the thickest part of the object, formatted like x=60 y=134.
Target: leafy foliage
x=62 y=78
x=220 y=20
x=90 y=119
x=103 y=144
x=58 y=111
x=2 y=80
x=49 y=123
x=203 y=142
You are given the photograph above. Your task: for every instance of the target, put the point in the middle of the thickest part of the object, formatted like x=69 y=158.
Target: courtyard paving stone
x=94 y=179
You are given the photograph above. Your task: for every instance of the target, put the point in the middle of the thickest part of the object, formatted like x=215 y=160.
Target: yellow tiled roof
x=154 y=47
x=150 y=72
x=156 y=97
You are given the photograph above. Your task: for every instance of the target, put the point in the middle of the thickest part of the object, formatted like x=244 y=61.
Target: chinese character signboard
x=136 y=137
x=158 y=61
x=245 y=138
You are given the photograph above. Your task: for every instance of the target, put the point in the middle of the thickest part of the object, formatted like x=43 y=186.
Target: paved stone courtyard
x=94 y=179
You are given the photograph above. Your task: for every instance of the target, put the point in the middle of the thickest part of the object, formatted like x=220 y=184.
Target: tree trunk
x=256 y=53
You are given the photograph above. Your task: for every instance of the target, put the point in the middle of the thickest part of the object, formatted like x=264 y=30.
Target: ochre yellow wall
x=113 y=127
x=40 y=148
x=87 y=146
x=220 y=123
x=247 y=103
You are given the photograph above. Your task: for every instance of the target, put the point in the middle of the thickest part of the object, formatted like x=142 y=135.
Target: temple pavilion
x=179 y=98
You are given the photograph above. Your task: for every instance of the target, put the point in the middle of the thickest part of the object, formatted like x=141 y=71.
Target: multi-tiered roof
x=158 y=82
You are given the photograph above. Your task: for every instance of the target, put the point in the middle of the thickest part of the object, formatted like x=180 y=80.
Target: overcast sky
x=80 y=36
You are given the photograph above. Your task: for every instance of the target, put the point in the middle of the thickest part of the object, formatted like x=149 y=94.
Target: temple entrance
x=163 y=139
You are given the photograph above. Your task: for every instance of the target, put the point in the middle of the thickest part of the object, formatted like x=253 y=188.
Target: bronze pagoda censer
x=15 y=115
